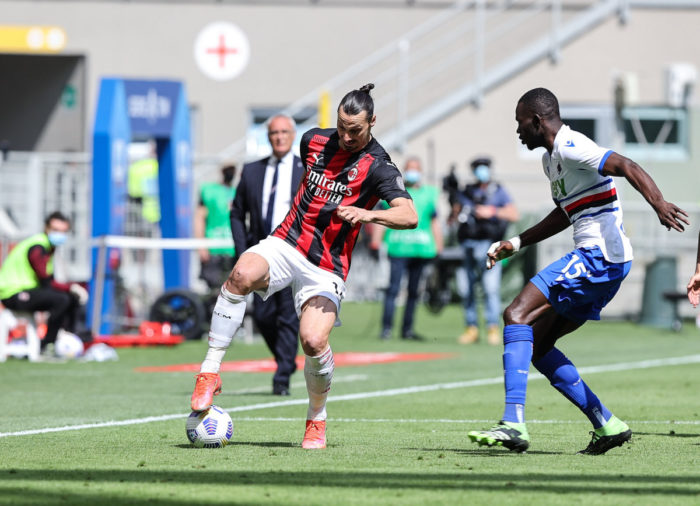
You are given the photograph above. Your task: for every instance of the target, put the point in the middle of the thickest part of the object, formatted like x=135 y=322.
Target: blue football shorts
x=581 y=283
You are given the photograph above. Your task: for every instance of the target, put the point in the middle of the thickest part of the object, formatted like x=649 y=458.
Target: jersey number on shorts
x=573 y=269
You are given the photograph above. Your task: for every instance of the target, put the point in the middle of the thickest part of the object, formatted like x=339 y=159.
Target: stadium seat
x=11 y=345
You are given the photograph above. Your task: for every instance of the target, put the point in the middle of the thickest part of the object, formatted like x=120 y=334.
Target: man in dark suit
x=263 y=197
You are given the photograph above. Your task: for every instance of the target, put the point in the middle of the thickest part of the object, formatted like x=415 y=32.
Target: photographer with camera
x=483 y=211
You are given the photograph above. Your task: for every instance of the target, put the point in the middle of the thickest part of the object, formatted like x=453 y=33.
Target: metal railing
x=458 y=55
x=454 y=58
x=32 y=185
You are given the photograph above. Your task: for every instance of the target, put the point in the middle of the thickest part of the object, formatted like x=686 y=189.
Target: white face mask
x=57 y=238
x=482 y=173
x=412 y=177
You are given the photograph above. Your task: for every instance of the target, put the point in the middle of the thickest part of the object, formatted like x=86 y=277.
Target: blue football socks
x=517 y=354
x=563 y=376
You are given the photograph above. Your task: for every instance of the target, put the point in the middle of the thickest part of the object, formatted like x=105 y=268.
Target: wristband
x=515 y=241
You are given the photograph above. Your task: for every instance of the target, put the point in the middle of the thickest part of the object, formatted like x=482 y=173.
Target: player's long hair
x=356 y=101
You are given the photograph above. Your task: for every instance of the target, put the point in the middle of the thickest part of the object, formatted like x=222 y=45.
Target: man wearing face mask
x=410 y=250
x=27 y=283
x=212 y=221
x=483 y=212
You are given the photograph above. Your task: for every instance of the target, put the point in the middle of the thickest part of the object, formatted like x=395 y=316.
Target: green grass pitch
x=409 y=447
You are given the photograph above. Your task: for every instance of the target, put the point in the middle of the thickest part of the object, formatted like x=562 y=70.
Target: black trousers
x=278 y=323
x=62 y=308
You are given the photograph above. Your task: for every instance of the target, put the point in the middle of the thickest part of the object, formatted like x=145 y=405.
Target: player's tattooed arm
x=670 y=215
x=400 y=215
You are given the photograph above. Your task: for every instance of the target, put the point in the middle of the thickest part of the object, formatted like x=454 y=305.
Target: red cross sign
x=221 y=51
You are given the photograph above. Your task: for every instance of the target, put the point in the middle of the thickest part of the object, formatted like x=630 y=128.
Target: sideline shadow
x=261 y=444
x=666 y=434
x=544 y=482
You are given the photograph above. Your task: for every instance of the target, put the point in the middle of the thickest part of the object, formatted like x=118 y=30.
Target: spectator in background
x=212 y=221
x=483 y=211
x=143 y=209
x=27 y=284
x=263 y=198
x=409 y=250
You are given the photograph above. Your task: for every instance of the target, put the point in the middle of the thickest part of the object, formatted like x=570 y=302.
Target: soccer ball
x=211 y=428
x=68 y=345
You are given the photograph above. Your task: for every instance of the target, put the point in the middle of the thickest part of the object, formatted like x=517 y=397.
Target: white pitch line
x=350 y=378
x=450 y=420
x=623 y=366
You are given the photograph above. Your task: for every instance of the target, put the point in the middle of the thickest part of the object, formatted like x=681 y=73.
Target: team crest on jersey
x=399 y=183
x=353 y=173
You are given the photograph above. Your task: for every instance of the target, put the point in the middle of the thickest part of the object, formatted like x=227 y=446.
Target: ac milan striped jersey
x=587 y=197
x=336 y=177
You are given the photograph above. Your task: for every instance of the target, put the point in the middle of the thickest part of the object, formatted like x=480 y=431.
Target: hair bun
x=367 y=88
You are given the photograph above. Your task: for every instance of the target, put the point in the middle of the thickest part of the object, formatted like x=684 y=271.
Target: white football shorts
x=288 y=267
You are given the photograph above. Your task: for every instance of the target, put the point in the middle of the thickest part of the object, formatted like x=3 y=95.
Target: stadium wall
x=295 y=48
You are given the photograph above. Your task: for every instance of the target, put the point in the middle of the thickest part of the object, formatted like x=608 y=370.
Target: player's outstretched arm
x=694 y=289
x=401 y=214
x=550 y=225
x=670 y=215
x=694 y=283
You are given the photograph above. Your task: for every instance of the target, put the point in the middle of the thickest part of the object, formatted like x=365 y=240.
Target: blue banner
x=151 y=107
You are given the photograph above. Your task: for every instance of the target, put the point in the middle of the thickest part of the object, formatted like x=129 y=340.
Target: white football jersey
x=587 y=197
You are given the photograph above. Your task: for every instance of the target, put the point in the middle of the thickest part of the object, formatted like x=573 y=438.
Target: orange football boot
x=206 y=386
x=315 y=435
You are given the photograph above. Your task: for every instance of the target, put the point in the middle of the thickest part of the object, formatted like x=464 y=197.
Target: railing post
x=479 y=43
x=623 y=11
x=99 y=286
x=554 y=50
x=403 y=87
x=35 y=180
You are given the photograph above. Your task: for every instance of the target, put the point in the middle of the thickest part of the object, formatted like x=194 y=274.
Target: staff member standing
x=263 y=197
x=212 y=221
x=27 y=284
x=484 y=211
x=410 y=251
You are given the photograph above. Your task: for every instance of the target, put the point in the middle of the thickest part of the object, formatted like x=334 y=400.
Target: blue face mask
x=482 y=173
x=57 y=238
x=411 y=177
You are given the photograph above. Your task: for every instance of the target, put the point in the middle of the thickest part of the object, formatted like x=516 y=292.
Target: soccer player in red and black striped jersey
x=347 y=173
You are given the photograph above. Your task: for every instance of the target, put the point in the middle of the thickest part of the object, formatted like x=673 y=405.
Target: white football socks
x=318 y=372
x=227 y=317
x=212 y=362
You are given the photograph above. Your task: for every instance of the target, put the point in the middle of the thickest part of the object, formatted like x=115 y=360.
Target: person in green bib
x=410 y=250
x=212 y=221
x=27 y=283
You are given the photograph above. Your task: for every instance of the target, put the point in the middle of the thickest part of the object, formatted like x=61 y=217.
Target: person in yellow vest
x=143 y=187
x=143 y=209
x=27 y=283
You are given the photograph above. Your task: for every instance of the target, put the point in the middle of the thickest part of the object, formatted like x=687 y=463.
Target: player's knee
x=313 y=343
x=515 y=314
x=240 y=281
